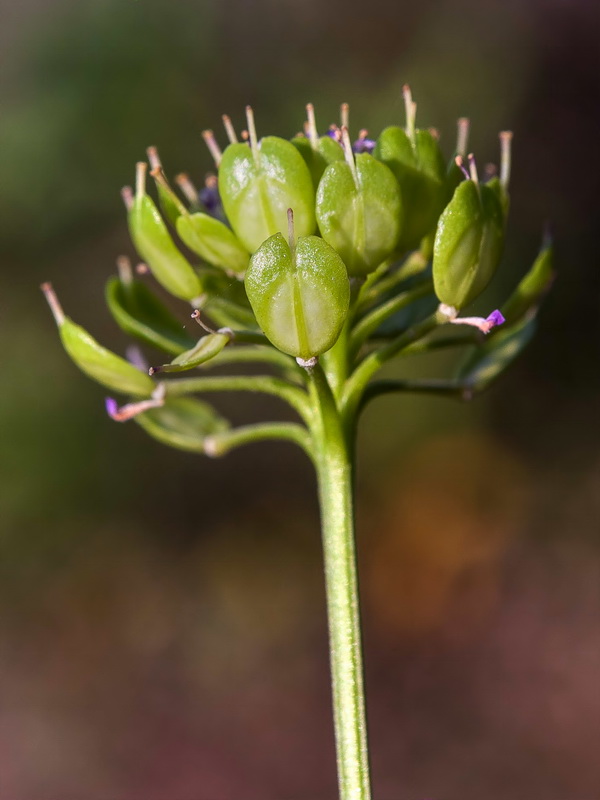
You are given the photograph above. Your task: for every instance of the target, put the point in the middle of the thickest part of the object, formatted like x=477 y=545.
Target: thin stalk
x=221 y=443
x=265 y=384
x=372 y=291
x=254 y=354
x=371 y=321
x=335 y=362
x=359 y=379
x=334 y=475
x=441 y=388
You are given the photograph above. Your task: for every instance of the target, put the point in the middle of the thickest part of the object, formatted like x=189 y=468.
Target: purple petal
x=496 y=318
x=363 y=146
x=112 y=407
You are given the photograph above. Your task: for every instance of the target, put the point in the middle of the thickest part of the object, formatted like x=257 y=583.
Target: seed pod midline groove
x=300 y=298
x=258 y=186
x=360 y=218
x=468 y=244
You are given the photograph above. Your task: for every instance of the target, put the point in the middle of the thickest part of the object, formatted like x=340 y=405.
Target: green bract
x=138 y=312
x=213 y=241
x=468 y=244
x=359 y=212
x=421 y=173
x=182 y=422
x=487 y=361
x=532 y=287
x=96 y=361
x=100 y=364
x=299 y=295
x=156 y=247
x=258 y=184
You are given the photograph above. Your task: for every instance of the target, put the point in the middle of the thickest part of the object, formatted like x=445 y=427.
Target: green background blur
x=162 y=631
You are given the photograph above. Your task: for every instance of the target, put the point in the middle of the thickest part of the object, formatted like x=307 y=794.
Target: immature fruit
x=359 y=211
x=155 y=246
x=259 y=183
x=419 y=168
x=468 y=244
x=213 y=241
x=300 y=294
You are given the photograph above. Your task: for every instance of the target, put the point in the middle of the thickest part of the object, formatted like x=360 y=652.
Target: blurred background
x=162 y=630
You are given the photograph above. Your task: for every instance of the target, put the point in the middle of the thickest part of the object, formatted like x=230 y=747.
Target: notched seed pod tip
x=299 y=291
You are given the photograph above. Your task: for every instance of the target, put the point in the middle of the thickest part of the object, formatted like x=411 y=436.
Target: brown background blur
x=162 y=632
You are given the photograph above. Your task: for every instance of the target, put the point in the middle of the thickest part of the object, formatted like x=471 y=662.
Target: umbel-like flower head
x=334 y=246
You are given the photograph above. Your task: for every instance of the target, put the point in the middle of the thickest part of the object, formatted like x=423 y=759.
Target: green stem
x=335 y=362
x=334 y=474
x=266 y=384
x=359 y=379
x=381 y=283
x=426 y=345
x=370 y=322
x=254 y=354
x=442 y=388
x=221 y=443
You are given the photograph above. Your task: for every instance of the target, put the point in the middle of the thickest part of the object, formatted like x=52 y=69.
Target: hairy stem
x=334 y=474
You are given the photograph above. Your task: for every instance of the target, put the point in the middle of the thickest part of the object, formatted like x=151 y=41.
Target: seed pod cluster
x=304 y=245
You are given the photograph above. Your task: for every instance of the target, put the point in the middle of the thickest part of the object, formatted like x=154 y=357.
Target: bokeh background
x=162 y=632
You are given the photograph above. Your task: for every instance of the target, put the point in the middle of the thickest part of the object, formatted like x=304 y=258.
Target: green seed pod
x=138 y=312
x=204 y=350
x=182 y=422
x=420 y=172
x=299 y=292
x=207 y=236
x=259 y=183
x=468 y=243
x=96 y=361
x=415 y=158
x=213 y=241
x=359 y=210
x=532 y=288
x=155 y=245
x=487 y=361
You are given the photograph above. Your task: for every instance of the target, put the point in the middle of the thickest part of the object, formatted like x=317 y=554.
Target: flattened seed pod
x=468 y=243
x=359 y=210
x=155 y=246
x=300 y=294
x=259 y=183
